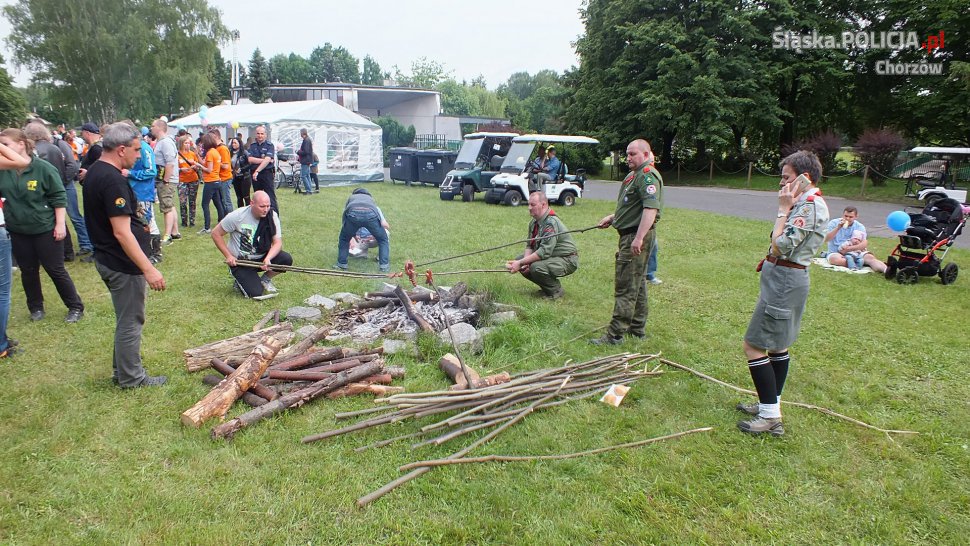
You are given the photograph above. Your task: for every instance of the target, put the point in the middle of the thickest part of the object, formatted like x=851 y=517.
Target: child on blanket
x=854 y=260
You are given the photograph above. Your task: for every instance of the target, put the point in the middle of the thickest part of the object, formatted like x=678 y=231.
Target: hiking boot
x=555 y=295
x=760 y=425
x=268 y=286
x=73 y=316
x=607 y=339
x=149 y=381
x=637 y=335
x=9 y=352
x=751 y=409
x=37 y=315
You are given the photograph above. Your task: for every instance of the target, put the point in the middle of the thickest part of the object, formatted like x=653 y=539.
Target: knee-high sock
x=763 y=375
x=779 y=362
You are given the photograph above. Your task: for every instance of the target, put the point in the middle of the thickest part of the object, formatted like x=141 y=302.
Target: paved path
x=758 y=205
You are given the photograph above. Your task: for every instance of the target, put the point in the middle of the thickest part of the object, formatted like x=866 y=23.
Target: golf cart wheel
x=513 y=198
x=907 y=275
x=948 y=275
x=467 y=193
x=892 y=264
x=567 y=199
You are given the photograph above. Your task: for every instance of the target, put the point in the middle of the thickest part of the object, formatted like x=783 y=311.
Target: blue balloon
x=144 y=131
x=898 y=221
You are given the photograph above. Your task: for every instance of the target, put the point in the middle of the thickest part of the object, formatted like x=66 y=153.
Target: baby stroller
x=921 y=251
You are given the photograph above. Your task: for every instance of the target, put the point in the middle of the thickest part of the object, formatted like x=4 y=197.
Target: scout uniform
x=784 y=278
x=556 y=251
x=641 y=189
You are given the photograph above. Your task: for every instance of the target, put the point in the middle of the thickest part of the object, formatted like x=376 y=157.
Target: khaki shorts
x=166 y=196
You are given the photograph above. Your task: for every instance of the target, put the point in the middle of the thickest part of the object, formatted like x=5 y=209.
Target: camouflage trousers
x=188 y=197
x=630 y=287
x=546 y=273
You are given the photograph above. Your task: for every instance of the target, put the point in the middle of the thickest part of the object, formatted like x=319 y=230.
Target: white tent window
x=342 y=150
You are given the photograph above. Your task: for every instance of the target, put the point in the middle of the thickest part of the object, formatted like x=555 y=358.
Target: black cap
x=359 y=191
x=91 y=128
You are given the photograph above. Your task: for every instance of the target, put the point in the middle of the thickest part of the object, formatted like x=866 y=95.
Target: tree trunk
x=257 y=388
x=221 y=397
x=198 y=358
x=298 y=349
x=295 y=399
x=248 y=397
x=411 y=312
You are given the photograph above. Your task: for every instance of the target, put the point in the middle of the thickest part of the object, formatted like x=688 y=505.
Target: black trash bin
x=433 y=165
x=404 y=164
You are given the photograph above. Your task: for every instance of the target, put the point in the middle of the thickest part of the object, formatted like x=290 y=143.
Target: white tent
x=348 y=145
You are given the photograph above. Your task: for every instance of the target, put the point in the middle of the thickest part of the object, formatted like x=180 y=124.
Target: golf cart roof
x=485 y=135
x=556 y=138
x=938 y=150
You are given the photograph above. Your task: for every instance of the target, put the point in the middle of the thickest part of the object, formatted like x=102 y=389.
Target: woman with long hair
x=189 y=177
x=242 y=180
x=211 y=181
x=35 y=217
x=9 y=160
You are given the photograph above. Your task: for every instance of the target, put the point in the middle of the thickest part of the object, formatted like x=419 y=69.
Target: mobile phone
x=802 y=182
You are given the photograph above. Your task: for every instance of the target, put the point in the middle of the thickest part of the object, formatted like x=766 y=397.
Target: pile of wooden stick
x=272 y=379
x=496 y=407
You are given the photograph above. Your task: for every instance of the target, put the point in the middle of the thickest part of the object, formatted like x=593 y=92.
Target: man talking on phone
x=798 y=233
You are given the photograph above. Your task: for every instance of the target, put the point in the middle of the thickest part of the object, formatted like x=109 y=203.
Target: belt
x=632 y=230
x=784 y=263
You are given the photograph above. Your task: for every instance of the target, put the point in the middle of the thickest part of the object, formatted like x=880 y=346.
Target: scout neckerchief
x=535 y=231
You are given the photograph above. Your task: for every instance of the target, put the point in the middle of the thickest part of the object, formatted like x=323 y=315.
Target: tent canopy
x=348 y=145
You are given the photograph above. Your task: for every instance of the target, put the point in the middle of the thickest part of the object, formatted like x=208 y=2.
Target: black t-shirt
x=93 y=154
x=107 y=194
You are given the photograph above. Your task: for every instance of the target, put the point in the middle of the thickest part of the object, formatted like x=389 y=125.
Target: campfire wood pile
x=398 y=311
x=273 y=379
x=494 y=407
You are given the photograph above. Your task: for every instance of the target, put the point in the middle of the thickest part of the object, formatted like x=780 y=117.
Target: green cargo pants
x=630 y=287
x=546 y=273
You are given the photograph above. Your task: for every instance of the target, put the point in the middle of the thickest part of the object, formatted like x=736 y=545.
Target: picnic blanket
x=822 y=262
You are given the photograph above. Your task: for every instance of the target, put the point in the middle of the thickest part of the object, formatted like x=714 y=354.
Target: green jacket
x=558 y=243
x=31 y=197
x=641 y=189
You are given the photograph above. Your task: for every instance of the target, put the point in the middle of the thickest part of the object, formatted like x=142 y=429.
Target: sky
x=494 y=39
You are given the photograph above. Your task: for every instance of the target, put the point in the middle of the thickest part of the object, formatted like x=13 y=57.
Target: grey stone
x=465 y=337
x=337 y=336
x=309 y=314
x=392 y=346
x=504 y=316
x=485 y=331
x=317 y=300
x=307 y=331
x=365 y=333
x=346 y=297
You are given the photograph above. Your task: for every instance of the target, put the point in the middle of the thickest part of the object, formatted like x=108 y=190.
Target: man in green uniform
x=550 y=252
x=637 y=213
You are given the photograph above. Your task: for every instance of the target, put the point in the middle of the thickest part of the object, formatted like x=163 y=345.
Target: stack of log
x=272 y=379
x=494 y=407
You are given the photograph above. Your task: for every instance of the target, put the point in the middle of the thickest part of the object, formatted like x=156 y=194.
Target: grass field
x=85 y=463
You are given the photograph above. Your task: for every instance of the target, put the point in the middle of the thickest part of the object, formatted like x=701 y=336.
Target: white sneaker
x=655 y=281
x=268 y=286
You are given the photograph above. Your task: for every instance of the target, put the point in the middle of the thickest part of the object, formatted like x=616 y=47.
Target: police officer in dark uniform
x=637 y=213
x=261 y=155
x=798 y=233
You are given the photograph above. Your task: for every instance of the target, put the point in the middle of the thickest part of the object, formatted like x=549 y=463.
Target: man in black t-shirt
x=120 y=237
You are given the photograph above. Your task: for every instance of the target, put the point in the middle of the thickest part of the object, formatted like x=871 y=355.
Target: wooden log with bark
x=248 y=397
x=257 y=388
x=455 y=293
x=198 y=358
x=411 y=311
x=453 y=369
x=295 y=399
x=302 y=346
x=222 y=396
x=365 y=388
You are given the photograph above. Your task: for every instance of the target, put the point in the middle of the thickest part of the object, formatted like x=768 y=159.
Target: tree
x=13 y=107
x=221 y=79
x=124 y=59
x=535 y=103
x=258 y=78
x=372 y=74
x=425 y=74
x=394 y=134
x=290 y=68
x=330 y=64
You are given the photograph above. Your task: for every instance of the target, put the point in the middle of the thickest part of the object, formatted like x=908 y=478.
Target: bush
x=878 y=149
x=395 y=134
x=825 y=145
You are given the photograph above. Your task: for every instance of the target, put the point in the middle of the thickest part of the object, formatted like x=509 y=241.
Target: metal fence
x=436 y=141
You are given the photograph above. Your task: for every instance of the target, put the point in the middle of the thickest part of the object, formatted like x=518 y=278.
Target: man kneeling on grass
x=254 y=234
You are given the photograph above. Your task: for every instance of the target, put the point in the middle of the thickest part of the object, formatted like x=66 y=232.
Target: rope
x=884 y=176
x=725 y=172
x=847 y=174
x=764 y=173
x=504 y=246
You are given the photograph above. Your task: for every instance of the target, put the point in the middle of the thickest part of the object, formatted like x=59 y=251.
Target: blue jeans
x=74 y=213
x=210 y=192
x=225 y=188
x=652 y=263
x=853 y=262
x=305 y=176
x=355 y=219
x=6 y=280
